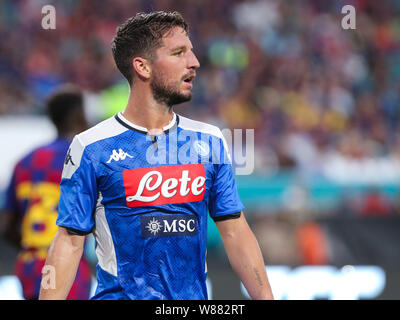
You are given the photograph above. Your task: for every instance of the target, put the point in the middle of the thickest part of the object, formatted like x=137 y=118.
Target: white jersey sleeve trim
x=73 y=158
x=105 y=129
x=105 y=250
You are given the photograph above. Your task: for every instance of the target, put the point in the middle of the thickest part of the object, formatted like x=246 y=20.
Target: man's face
x=174 y=68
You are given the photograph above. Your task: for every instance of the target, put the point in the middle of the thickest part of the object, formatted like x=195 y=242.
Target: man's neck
x=143 y=110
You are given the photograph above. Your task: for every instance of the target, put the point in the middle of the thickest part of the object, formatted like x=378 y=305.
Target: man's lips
x=189 y=77
x=188 y=80
x=188 y=84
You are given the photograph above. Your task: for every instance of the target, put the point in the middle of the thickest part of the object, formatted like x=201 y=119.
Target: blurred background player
x=33 y=193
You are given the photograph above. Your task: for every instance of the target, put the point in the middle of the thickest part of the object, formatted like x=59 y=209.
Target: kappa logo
x=120 y=155
x=68 y=158
x=168 y=225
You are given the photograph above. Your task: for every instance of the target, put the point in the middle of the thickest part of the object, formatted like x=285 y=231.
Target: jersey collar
x=126 y=123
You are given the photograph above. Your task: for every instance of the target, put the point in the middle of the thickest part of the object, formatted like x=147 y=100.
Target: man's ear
x=142 y=67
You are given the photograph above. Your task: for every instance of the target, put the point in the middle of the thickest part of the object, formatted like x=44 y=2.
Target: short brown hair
x=141 y=36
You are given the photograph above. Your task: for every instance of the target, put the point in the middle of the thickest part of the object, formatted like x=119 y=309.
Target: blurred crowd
x=321 y=99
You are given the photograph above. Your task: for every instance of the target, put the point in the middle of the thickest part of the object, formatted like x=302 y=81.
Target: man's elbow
x=234 y=229
x=73 y=243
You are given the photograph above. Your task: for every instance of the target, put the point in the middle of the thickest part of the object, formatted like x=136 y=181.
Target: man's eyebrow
x=180 y=48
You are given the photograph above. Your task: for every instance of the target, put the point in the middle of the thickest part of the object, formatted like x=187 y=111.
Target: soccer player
x=136 y=181
x=33 y=193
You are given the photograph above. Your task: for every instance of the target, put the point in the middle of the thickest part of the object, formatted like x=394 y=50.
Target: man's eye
x=178 y=53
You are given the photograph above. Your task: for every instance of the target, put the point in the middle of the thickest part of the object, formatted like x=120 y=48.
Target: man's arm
x=63 y=259
x=245 y=256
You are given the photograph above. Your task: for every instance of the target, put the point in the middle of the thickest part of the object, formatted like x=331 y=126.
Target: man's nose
x=193 y=63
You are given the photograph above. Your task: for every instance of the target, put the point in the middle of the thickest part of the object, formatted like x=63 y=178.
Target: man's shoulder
x=199 y=126
x=105 y=129
x=87 y=142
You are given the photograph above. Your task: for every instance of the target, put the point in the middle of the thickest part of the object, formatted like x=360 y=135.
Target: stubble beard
x=167 y=93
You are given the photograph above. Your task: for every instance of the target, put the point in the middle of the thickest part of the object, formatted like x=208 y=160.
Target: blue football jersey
x=146 y=199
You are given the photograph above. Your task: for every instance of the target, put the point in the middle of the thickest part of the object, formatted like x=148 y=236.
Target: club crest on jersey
x=202 y=148
x=164 y=185
x=168 y=225
x=120 y=155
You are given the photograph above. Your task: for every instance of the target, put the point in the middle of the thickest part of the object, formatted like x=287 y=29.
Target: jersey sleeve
x=78 y=190
x=224 y=200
